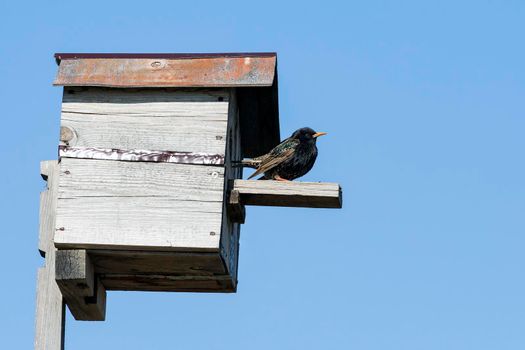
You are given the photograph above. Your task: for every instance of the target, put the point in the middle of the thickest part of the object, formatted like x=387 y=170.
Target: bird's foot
x=278 y=178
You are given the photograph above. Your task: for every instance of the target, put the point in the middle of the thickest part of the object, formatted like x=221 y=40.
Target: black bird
x=290 y=159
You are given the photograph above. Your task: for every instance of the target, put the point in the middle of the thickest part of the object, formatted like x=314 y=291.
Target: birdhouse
x=148 y=194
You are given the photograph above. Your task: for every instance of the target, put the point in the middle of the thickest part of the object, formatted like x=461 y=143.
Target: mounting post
x=50 y=309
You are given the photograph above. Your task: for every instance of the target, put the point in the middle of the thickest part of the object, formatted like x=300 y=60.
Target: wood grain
x=74 y=270
x=162 y=271
x=50 y=310
x=85 y=296
x=139 y=206
x=166 y=283
x=147 y=119
x=289 y=194
x=48 y=199
x=157 y=263
x=230 y=231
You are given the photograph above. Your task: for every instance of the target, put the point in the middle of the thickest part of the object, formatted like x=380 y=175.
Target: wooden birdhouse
x=147 y=195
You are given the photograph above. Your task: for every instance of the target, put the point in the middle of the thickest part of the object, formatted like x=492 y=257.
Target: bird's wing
x=276 y=156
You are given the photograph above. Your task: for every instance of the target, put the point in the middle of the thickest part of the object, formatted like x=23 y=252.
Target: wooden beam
x=156 y=263
x=84 y=294
x=48 y=203
x=289 y=194
x=162 y=271
x=166 y=283
x=75 y=272
x=50 y=310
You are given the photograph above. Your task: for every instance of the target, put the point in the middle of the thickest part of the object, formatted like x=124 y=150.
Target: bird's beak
x=317 y=134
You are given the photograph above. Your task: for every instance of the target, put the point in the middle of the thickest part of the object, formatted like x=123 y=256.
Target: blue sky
x=424 y=105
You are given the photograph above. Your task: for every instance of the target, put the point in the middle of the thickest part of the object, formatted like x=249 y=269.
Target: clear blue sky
x=424 y=105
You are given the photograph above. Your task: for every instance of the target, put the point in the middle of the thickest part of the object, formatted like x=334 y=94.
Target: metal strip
x=141 y=155
x=66 y=56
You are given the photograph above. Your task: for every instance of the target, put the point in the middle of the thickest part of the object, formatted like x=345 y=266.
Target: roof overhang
x=166 y=70
x=254 y=74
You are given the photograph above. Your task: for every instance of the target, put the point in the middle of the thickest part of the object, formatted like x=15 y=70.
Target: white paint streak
x=199 y=158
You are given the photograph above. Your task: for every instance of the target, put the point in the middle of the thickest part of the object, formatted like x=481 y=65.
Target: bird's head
x=307 y=135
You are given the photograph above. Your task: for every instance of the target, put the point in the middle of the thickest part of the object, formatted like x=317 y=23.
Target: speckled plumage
x=290 y=159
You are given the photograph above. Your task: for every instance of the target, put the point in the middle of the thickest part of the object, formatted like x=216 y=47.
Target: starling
x=290 y=159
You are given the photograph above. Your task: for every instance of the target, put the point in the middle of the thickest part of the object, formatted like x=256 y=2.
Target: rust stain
x=142 y=71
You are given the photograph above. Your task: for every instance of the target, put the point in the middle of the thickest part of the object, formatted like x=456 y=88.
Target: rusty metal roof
x=166 y=70
x=253 y=74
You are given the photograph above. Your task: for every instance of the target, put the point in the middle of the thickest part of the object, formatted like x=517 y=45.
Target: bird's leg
x=278 y=178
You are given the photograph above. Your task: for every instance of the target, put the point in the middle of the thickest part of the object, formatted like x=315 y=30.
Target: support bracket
x=236 y=209
x=84 y=294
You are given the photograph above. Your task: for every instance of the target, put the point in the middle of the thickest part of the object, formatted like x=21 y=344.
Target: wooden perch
x=289 y=194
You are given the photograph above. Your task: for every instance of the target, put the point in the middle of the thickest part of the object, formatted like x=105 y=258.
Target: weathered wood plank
x=50 y=310
x=162 y=271
x=289 y=194
x=75 y=276
x=137 y=223
x=230 y=230
x=139 y=206
x=48 y=199
x=166 y=283
x=102 y=178
x=156 y=263
x=149 y=119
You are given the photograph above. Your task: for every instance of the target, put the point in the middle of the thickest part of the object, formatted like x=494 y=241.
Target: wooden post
x=50 y=309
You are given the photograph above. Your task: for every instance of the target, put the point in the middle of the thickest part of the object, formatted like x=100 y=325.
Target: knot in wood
x=66 y=134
